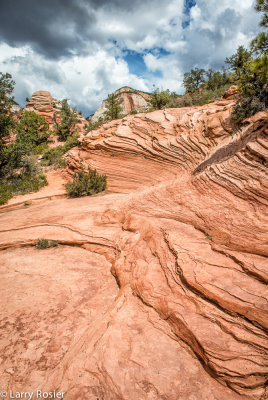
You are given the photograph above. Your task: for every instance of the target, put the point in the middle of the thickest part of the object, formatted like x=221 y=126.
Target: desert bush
x=86 y=183
x=45 y=244
x=53 y=156
x=32 y=131
x=20 y=184
x=30 y=165
x=163 y=99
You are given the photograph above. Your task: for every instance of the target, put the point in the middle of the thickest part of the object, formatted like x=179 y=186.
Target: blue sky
x=84 y=49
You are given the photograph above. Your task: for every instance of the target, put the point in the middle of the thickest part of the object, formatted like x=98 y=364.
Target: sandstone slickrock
x=130 y=99
x=158 y=288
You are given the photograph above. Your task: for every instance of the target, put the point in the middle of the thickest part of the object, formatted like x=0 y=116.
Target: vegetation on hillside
x=86 y=183
x=162 y=99
x=68 y=120
x=113 y=108
x=24 y=144
x=252 y=77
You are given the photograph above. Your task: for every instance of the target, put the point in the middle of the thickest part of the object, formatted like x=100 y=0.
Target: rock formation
x=44 y=104
x=130 y=99
x=231 y=93
x=157 y=289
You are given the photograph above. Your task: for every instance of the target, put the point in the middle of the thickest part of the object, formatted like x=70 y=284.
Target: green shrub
x=41 y=148
x=253 y=88
x=53 y=156
x=5 y=194
x=86 y=183
x=20 y=184
x=163 y=99
x=72 y=141
x=32 y=131
x=45 y=244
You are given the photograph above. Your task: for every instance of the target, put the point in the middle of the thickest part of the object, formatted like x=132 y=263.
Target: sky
x=85 y=49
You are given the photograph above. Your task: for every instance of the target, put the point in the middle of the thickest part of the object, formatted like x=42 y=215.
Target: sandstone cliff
x=130 y=99
x=157 y=289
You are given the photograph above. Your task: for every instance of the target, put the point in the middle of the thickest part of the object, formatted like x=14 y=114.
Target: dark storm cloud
x=54 y=28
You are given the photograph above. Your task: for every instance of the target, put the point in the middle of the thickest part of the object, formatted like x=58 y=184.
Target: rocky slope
x=130 y=99
x=157 y=289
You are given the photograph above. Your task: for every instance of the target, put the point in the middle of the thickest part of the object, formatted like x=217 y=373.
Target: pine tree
x=113 y=108
x=237 y=61
x=192 y=80
x=68 y=120
x=6 y=101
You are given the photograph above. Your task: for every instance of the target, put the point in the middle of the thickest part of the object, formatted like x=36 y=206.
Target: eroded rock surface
x=157 y=289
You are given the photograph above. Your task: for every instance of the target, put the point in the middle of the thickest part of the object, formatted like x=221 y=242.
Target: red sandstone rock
x=157 y=288
x=130 y=99
x=43 y=103
x=231 y=93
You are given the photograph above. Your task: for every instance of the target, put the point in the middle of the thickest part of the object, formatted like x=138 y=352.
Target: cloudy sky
x=84 y=49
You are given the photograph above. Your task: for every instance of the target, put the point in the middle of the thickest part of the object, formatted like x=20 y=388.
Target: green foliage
x=32 y=132
x=6 y=120
x=216 y=79
x=94 y=125
x=132 y=112
x=6 y=102
x=208 y=236
x=194 y=79
x=20 y=184
x=253 y=87
x=262 y=6
x=208 y=96
x=68 y=121
x=46 y=244
x=86 y=183
x=53 y=156
x=238 y=61
x=163 y=99
x=113 y=108
x=72 y=141
x=253 y=80
x=203 y=87
x=259 y=45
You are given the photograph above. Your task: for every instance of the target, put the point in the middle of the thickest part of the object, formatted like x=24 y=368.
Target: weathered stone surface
x=130 y=99
x=231 y=93
x=157 y=289
x=44 y=104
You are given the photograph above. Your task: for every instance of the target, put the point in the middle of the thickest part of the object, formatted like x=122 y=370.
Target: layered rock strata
x=130 y=100
x=158 y=288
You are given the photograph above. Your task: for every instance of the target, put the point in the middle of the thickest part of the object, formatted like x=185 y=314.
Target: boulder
x=231 y=93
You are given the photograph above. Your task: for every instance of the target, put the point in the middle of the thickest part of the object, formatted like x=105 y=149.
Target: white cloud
x=84 y=80
x=216 y=28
